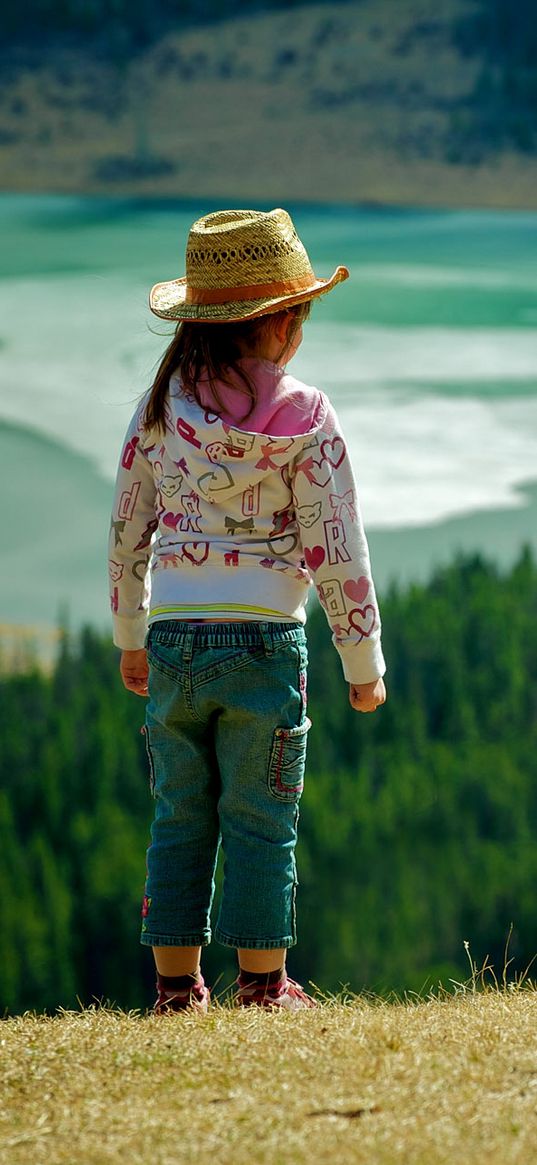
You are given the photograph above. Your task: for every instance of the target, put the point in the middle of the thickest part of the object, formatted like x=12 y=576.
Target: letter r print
x=336 y=542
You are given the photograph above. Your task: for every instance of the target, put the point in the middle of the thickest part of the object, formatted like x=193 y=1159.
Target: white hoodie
x=236 y=522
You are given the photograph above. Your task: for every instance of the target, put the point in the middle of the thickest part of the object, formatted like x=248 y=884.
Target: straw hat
x=240 y=264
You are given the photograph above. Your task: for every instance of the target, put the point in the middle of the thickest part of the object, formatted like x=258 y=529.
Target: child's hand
x=367 y=697
x=135 y=670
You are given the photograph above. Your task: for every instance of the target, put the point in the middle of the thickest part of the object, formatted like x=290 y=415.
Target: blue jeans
x=226 y=731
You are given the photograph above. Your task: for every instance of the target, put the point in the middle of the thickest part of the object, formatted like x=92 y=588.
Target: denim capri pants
x=226 y=730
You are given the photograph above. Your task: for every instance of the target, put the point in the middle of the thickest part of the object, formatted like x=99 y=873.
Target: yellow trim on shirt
x=204 y=607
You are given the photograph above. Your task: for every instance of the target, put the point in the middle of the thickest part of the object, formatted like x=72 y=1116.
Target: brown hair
x=215 y=349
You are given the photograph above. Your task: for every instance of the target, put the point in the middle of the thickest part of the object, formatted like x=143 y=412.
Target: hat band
x=253 y=291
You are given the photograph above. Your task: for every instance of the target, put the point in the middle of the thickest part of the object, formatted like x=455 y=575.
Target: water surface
x=429 y=353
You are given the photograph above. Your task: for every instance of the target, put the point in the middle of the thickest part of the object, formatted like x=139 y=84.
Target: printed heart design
x=368 y=616
x=172 y=520
x=195 y=552
x=282 y=545
x=319 y=473
x=217 y=479
x=333 y=450
x=314 y=557
x=356 y=588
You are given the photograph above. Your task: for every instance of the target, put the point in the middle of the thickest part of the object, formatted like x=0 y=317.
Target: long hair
x=215 y=351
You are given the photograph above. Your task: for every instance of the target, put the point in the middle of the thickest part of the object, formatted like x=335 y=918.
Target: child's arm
x=337 y=554
x=132 y=526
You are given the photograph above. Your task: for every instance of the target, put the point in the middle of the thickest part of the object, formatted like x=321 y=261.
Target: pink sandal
x=286 y=993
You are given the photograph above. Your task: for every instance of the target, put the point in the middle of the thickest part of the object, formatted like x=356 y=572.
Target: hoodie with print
x=215 y=519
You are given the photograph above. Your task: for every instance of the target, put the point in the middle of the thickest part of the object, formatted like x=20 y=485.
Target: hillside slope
x=349 y=103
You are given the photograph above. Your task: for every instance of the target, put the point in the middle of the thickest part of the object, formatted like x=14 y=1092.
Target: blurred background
x=402 y=137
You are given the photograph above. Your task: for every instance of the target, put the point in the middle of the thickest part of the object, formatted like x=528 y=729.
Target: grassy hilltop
x=361 y=1082
x=349 y=102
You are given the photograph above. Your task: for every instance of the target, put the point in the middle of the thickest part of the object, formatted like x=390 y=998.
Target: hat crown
x=235 y=248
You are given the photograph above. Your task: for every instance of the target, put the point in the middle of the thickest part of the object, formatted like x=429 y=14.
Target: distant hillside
x=364 y=101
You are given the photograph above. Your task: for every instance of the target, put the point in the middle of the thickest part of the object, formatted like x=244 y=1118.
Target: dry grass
x=422 y=1082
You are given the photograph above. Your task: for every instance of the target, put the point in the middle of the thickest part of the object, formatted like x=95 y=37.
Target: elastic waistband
x=173 y=631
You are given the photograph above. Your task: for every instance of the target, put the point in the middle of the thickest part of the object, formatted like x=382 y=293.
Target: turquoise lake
x=429 y=352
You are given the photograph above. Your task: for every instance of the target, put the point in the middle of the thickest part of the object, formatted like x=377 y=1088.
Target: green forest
x=140 y=20
x=498 y=29
x=417 y=823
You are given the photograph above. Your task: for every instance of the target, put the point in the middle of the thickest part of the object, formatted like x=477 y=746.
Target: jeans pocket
x=145 y=733
x=287 y=762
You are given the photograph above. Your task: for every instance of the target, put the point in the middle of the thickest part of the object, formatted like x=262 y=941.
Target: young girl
x=236 y=489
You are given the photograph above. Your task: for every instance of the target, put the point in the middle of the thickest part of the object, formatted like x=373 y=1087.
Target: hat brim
x=168 y=301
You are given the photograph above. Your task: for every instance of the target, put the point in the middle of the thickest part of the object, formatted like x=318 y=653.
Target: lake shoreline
x=401 y=555
x=168 y=200
x=503 y=184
